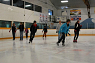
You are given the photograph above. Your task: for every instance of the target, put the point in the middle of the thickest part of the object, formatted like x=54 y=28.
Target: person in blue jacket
x=64 y=29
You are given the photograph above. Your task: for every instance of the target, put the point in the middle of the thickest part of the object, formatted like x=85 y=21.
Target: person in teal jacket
x=64 y=29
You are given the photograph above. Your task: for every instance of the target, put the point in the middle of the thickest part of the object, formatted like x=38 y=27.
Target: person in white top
x=58 y=28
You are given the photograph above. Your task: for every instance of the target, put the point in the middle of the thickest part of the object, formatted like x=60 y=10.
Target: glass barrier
x=5 y=24
x=17 y=23
x=28 y=25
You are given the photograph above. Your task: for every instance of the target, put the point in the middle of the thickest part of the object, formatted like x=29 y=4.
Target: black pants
x=67 y=33
x=26 y=35
x=32 y=36
x=13 y=35
x=62 y=38
x=76 y=35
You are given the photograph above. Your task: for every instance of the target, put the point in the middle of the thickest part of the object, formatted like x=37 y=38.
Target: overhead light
x=27 y=5
x=48 y=13
x=6 y=0
x=64 y=1
x=66 y=7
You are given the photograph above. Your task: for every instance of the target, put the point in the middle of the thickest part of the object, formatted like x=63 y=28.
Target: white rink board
x=4 y=33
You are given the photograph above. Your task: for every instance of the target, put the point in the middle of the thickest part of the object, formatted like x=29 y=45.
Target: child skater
x=64 y=29
x=26 y=32
x=76 y=31
x=13 y=28
x=45 y=31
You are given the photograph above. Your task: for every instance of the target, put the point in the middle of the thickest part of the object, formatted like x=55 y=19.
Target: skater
x=68 y=33
x=45 y=31
x=33 y=30
x=13 y=28
x=21 y=27
x=64 y=29
x=26 y=33
x=58 y=28
x=76 y=31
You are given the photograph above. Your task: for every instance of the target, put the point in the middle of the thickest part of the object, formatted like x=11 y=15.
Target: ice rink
x=46 y=51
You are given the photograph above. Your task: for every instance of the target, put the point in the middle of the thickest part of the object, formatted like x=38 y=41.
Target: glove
x=9 y=31
x=56 y=31
x=81 y=25
x=75 y=30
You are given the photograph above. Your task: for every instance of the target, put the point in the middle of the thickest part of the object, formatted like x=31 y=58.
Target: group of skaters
x=33 y=30
x=61 y=29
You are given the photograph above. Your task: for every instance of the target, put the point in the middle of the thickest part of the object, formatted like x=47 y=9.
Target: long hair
x=77 y=21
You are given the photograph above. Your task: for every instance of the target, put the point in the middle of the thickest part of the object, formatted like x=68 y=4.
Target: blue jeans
x=21 y=35
x=59 y=35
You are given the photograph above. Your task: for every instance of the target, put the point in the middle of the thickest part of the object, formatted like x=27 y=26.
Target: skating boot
x=57 y=44
x=63 y=44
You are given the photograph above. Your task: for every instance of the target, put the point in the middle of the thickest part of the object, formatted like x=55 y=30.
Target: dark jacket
x=21 y=27
x=13 y=28
x=45 y=29
x=33 y=29
x=77 y=27
x=26 y=31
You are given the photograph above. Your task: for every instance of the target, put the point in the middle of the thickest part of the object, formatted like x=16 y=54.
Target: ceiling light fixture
x=64 y=1
x=6 y=0
x=27 y=5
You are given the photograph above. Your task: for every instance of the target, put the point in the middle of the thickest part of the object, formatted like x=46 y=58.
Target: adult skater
x=21 y=27
x=64 y=29
x=45 y=31
x=13 y=28
x=58 y=28
x=76 y=30
x=33 y=30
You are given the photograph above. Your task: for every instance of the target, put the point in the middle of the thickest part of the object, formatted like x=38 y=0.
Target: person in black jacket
x=13 y=28
x=21 y=27
x=45 y=31
x=33 y=30
x=76 y=30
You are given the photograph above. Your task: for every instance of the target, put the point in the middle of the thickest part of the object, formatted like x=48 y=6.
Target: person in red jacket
x=76 y=30
x=33 y=30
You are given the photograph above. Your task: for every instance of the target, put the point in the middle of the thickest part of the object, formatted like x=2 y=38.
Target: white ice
x=46 y=51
